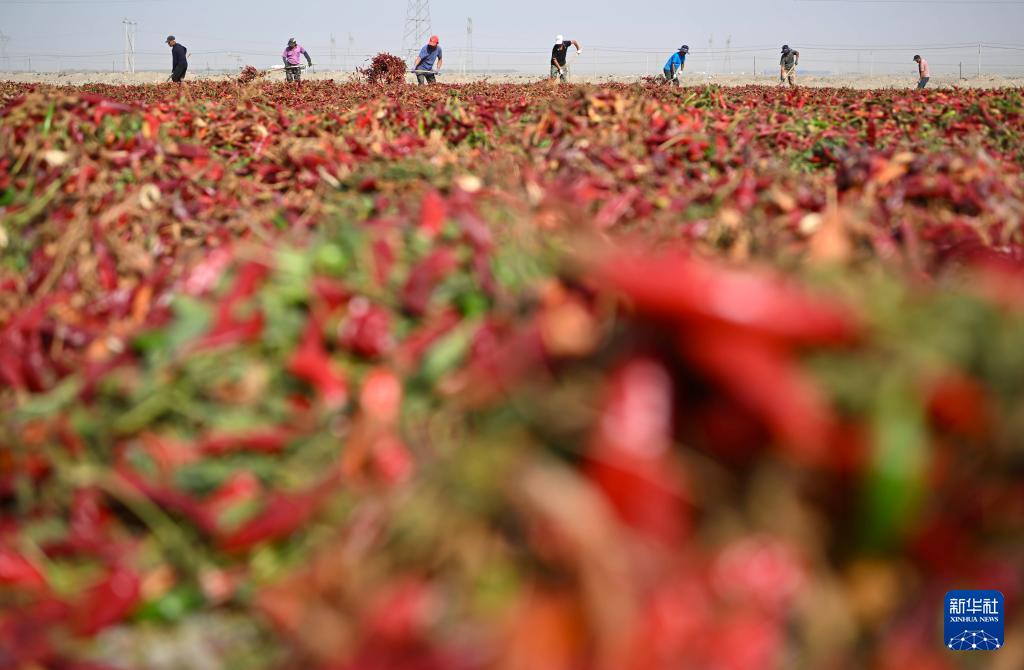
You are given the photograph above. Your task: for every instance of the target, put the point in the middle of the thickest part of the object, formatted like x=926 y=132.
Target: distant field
x=692 y=78
x=505 y=375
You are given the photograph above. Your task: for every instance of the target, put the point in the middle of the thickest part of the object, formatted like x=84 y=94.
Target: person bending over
x=292 y=58
x=675 y=65
x=787 y=65
x=559 y=56
x=431 y=53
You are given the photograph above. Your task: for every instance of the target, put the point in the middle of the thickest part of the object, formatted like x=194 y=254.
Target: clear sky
x=87 y=34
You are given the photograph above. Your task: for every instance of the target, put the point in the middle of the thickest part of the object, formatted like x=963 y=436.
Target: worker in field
x=674 y=66
x=559 y=57
x=179 y=59
x=430 y=54
x=787 y=65
x=292 y=58
x=923 y=74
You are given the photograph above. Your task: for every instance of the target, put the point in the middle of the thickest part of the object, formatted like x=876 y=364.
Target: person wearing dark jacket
x=179 y=59
x=787 y=65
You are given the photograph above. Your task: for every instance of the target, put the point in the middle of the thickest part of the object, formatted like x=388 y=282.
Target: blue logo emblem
x=974 y=620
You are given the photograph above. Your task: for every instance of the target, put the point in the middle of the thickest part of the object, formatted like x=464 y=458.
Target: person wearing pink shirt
x=292 y=58
x=923 y=75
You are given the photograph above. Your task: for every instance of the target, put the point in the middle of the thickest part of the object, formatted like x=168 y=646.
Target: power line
x=915 y=2
x=80 y=2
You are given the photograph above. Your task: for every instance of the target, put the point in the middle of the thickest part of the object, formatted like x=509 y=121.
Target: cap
x=785 y=47
x=917 y=58
x=433 y=41
x=292 y=40
x=171 y=38
x=684 y=48
x=559 y=39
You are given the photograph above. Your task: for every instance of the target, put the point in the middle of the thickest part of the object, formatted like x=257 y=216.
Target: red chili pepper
x=682 y=288
x=239 y=488
x=26 y=634
x=281 y=516
x=381 y=396
x=433 y=212
x=89 y=520
x=108 y=602
x=496 y=363
x=106 y=268
x=366 y=330
x=311 y=363
x=229 y=328
x=391 y=459
x=172 y=500
x=630 y=459
x=332 y=292
x=266 y=441
x=383 y=260
x=424 y=278
x=958 y=405
x=412 y=349
x=760 y=572
x=17 y=571
x=766 y=380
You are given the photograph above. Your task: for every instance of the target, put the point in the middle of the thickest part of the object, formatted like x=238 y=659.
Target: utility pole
x=4 y=39
x=467 y=59
x=334 y=52
x=417 y=26
x=711 y=57
x=348 y=55
x=728 y=54
x=979 y=59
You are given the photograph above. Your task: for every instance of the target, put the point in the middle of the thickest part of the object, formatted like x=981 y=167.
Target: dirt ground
x=690 y=79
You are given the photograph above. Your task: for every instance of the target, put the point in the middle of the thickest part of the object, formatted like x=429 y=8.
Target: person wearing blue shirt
x=675 y=65
x=424 y=67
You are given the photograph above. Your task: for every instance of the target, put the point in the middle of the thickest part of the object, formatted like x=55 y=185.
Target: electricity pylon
x=417 y=26
x=130 y=28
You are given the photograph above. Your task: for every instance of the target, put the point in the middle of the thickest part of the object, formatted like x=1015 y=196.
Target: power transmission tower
x=467 y=63
x=130 y=28
x=4 y=39
x=417 y=26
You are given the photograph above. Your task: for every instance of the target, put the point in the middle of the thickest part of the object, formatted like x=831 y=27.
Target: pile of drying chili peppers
x=506 y=376
x=249 y=74
x=384 y=69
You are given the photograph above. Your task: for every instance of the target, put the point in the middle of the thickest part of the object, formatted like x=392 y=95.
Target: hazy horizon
x=832 y=35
